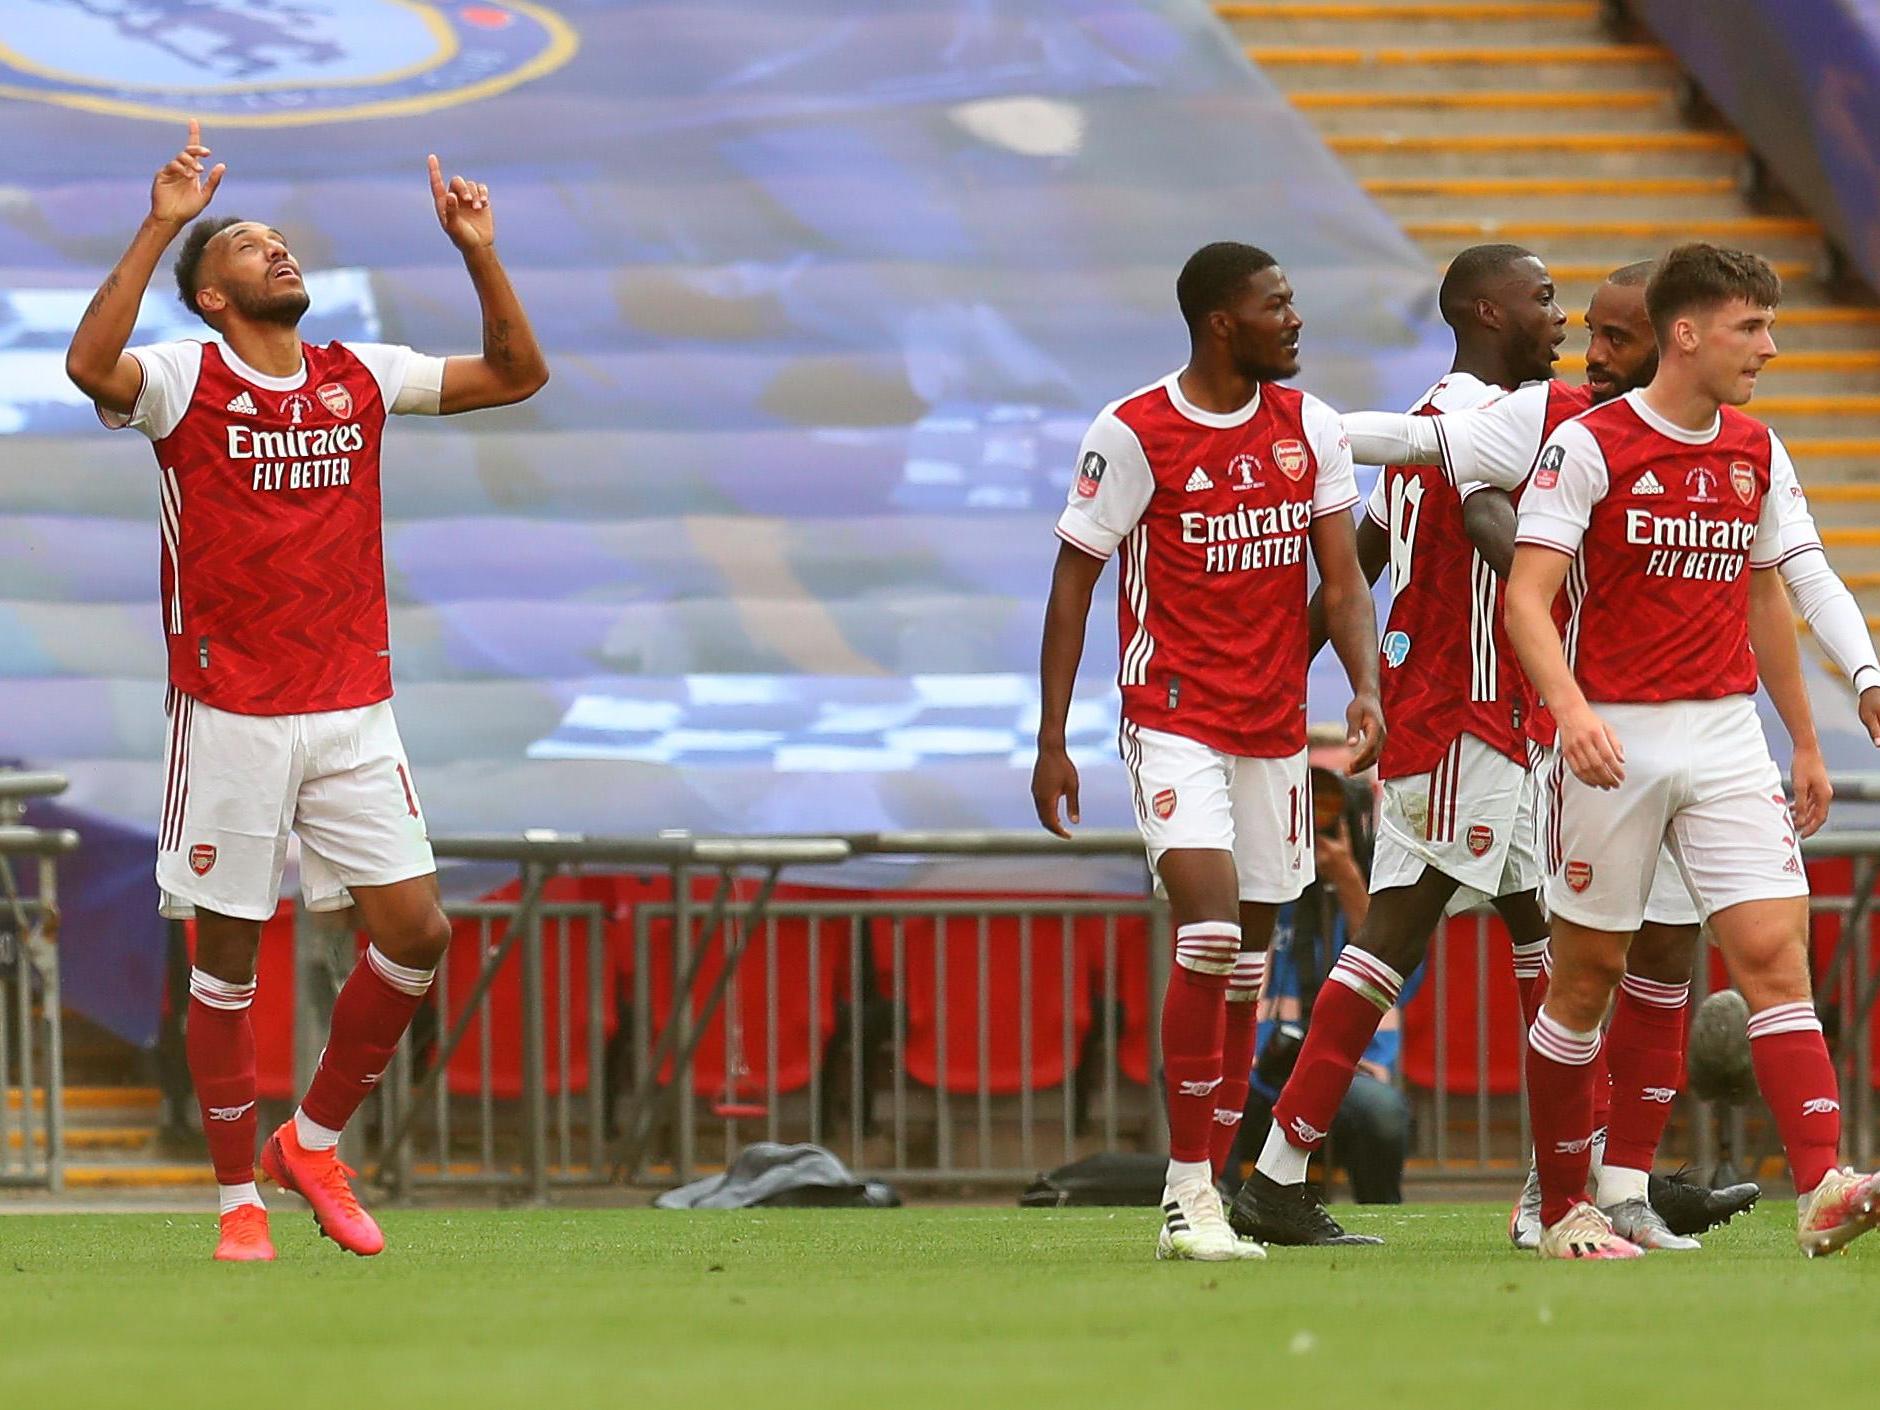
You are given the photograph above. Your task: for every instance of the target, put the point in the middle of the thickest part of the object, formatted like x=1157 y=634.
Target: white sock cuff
x=1798 y=1017
x=1657 y=993
x=235 y=1196
x=1208 y=946
x=406 y=980
x=1530 y=958
x=1367 y=976
x=215 y=993
x=1243 y=985
x=1554 y=1040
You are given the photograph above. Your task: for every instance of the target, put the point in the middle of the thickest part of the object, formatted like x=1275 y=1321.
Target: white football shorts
x=237 y=785
x=1698 y=781
x=1189 y=795
x=1470 y=818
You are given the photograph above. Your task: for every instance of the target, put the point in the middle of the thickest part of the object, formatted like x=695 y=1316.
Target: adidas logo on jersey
x=1648 y=484
x=1199 y=481
x=245 y=404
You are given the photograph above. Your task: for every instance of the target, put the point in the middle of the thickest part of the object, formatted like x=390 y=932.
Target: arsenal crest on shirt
x=335 y=399
x=1290 y=456
x=1743 y=480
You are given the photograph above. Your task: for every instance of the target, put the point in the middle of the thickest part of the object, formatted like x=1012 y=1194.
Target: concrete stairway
x=1532 y=121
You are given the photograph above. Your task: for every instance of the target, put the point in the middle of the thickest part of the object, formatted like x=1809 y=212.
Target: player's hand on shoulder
x=181 y=190
x=1591 y=749
x=1364 y=732
x=463 y=209
x=1054 y=778
x=1808 y=772
x=1869 y=707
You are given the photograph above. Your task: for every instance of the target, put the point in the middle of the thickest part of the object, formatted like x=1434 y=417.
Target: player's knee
x=1665 y=953
x=419 y=943
x=1582 y=987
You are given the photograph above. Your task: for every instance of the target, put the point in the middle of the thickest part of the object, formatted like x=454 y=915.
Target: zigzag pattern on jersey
x=287 y=586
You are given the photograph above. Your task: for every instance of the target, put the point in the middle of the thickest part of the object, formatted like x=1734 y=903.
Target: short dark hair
x=189 y=258
x=1214 y=276
x=1630 y=276
x=1701 y=275
x=1468 y=276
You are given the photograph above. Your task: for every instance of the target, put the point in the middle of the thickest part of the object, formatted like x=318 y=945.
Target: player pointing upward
x=273 y=596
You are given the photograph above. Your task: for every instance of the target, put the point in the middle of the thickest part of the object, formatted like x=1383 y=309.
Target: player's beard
x=283 y=306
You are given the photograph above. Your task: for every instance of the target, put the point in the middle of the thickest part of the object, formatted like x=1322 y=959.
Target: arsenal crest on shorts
x=1290 y=456
x=201 y=858
x=1164 y=804
x=1579 y=875
x=1481 y=837
x=335 y=399
x=1743 y=480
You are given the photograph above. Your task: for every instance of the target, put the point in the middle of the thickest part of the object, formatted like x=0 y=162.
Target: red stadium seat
x=1457 y=974
x=924 y=974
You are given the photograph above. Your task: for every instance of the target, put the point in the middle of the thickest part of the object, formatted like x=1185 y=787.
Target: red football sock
x=1797 y=1080
x=219 y=1042
x=1530 y=979
x=374 y=1008
x=1242 y=1030
x=1561 y=1075
x=1645 y=1055
x=1356 y=995
x=1194 y=1023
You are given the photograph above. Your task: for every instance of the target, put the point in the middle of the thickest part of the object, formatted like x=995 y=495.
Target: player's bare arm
x=1373 y=555
x=1587 y=742
x=1779 y=665
x=1351 y=624
x=511 y=367
x=96 y=361
x=1488 y=518
x=1054 y=776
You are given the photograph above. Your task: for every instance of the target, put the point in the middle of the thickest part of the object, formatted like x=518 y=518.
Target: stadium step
x=1532 y=121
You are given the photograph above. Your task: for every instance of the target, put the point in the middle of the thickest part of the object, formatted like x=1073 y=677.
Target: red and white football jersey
x=1212 y=514
x=1447 y=670
x=273 y=579
x=1664 y=525
x=1497 y=445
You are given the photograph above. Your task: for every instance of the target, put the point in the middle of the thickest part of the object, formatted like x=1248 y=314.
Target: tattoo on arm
x=496 y=349
x=105 y=291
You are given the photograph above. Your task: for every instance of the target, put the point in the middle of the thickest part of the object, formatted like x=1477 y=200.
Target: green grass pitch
x=938 y=1307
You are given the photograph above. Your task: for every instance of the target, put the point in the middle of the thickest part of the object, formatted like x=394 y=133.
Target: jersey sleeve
x=1569 y=479
x=1785 y=527
x=1377 y=507
x=170 y=374
x=1110 y=490
x=1494 y=444
x=1391 y=438
x=1336 y=488
x=411 y=383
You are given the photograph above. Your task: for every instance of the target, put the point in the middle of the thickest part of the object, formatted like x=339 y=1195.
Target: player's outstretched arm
x=96 y=361
x=1392 y=438
x=1839 y=627
x=511 y=367
x=1779 y=664
x=1054 y=776
x=1351 y=623
x=1587 y=742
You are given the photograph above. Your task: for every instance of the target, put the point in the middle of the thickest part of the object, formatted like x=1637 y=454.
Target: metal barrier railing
x=933 y=1040
x=32 y=1054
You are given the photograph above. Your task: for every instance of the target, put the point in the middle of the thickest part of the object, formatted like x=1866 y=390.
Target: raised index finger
x=437 y=177
x=195 y=133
